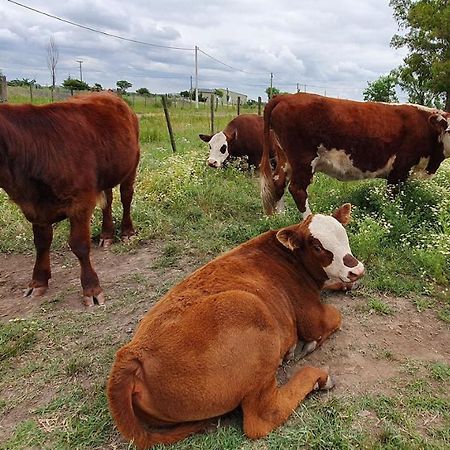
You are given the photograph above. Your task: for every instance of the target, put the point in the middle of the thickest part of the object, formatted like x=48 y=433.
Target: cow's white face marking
x=333 y=237
x=218 y=150
x=445 y=139
x=338 y=164
x=419 y=171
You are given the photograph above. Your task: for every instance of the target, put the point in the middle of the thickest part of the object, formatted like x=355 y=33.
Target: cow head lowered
x=219 y=144
x=442 y=123
x=322 y=244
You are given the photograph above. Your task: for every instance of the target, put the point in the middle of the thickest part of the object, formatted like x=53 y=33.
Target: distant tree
x=425 y=74
x=143 y=91
x=97 y=87
x=75 y=85
x=52 y=61
x=381 y=90
x=270 y=94
x=123 y=85
x=218 y=93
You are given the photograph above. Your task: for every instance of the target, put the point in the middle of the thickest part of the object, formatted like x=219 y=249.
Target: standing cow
x=243 y=136
x=215 y=341
x=57 y=161
x=347 y=140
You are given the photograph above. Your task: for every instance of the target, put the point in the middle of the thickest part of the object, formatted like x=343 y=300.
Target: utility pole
x=298 y=90
x=196 y=77
x=271 y=85
x=79 y=61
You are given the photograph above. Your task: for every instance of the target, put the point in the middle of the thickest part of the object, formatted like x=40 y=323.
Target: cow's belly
x=339 y=164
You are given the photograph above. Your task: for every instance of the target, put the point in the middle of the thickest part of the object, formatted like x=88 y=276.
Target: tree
x=425 y=74
x=123 y=85
x=52 y=60
x=75 y=85
x=143 y=91
x=97 y=87
x=381 y=90
x=218 y=93
x=274 y=92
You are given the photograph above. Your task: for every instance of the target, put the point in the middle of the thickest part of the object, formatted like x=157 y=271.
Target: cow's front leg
x=315 y=326
x=80 y=245
x=43 y=235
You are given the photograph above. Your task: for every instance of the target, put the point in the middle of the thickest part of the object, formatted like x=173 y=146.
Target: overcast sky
x=330 y=46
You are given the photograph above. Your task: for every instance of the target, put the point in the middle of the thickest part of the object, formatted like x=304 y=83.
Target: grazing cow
x=215 y=341
x=243 y=136
x=347 y=140
x=57 y=161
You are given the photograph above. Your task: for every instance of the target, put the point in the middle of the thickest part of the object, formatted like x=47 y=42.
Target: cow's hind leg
x=271 y=406
x=301 y=179
x=43 y=235
x=107 y=234
x=80 y=245
x=126 y=196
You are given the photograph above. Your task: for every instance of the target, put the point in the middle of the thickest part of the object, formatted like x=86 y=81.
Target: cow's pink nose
x=356 y=275
x=212 y=163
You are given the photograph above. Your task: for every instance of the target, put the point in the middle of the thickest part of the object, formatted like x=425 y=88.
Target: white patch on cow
x=333 y=237
x=216 y=157
x=445 y=139
x=338 y=164
x=307 y=210
x=419 y=171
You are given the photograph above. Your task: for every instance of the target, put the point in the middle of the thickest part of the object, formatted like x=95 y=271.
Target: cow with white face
x=242 y=137
x=236 y=318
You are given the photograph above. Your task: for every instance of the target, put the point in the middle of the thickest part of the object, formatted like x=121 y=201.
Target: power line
x=98 y=31
x=231 y=67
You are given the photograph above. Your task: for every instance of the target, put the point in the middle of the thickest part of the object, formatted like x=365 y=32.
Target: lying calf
x=215 y=341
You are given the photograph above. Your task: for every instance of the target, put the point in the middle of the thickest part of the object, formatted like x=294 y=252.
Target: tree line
x=425 y=73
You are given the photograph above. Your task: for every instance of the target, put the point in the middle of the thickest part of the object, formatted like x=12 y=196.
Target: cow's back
x=90 y=142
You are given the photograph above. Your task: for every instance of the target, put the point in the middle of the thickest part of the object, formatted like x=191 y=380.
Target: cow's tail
x=121 y=385
x=272 y=183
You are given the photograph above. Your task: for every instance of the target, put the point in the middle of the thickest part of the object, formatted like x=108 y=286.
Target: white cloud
x=329 y=46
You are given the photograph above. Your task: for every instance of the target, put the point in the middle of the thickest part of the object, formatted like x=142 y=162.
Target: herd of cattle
x=215 y=341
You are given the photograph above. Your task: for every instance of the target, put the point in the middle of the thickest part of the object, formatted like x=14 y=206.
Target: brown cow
x=347 y=140
x=56 y=161
x=243 y=136
x=215 y=341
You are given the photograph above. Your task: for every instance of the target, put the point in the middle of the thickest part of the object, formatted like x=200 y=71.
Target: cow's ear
x=289 y=238
x=205 y=137
x=233 y=136
x=343 y=214
x=438 y=121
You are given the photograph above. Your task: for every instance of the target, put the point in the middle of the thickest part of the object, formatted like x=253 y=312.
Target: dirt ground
x=355 y=355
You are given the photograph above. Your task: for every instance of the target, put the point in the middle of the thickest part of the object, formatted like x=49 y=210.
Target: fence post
x=259 y=106
x=169 y=125
x=3 y=89
x=212 y=101
x=238 y=105
x=31 y=93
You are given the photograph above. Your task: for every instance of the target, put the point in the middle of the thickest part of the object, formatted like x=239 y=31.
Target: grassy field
x=55 y=357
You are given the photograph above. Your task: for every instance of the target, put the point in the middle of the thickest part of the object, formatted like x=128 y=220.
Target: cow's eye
x=223 y=148
x=317 y=248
